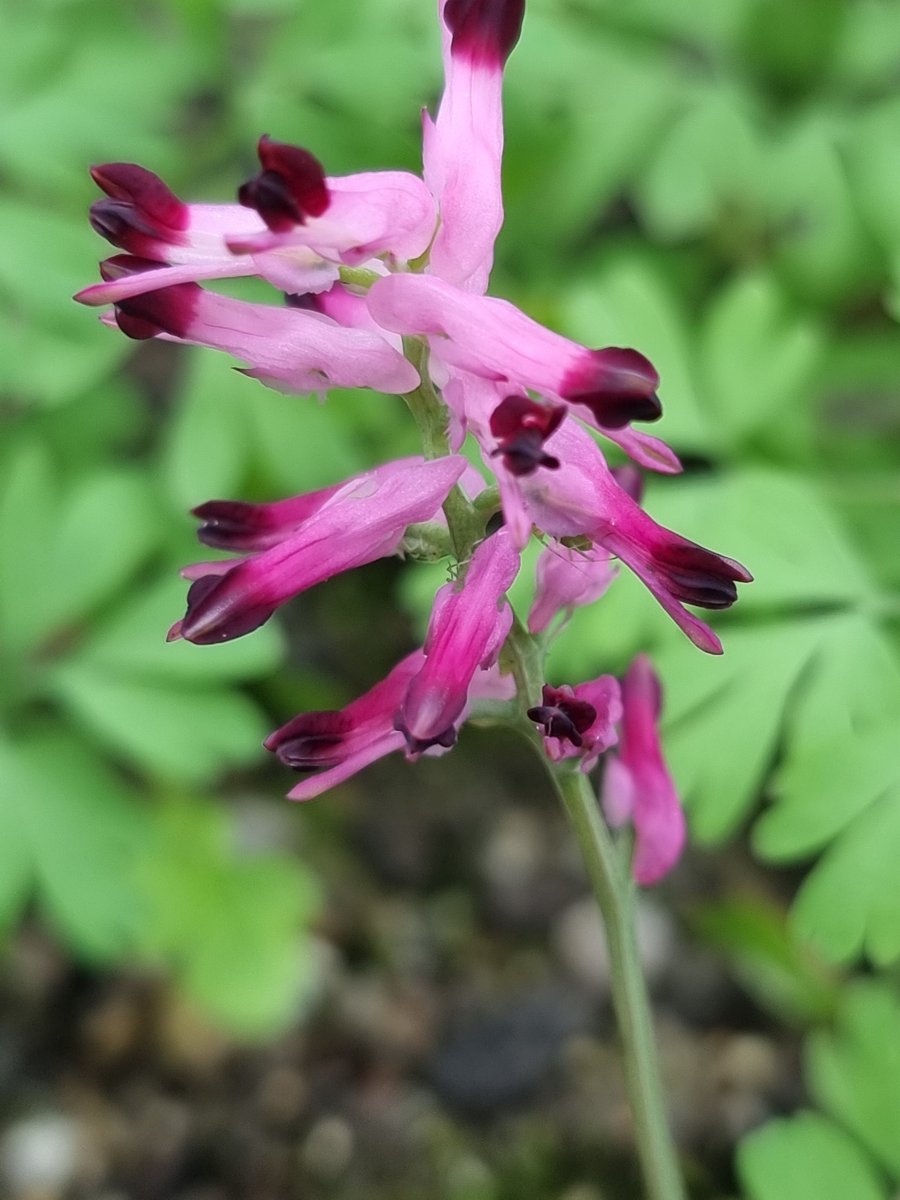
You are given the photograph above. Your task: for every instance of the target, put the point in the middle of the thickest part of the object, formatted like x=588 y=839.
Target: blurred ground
x=459 y=1043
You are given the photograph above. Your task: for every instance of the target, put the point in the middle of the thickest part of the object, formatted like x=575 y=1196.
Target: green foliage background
x=716 y=183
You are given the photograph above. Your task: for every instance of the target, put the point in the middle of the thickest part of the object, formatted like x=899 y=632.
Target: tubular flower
x=495 y=340
x=585 y=500
x=363 y=520
x=469 y=624
x=337 y=744
x=463 y=145
x=637 y=786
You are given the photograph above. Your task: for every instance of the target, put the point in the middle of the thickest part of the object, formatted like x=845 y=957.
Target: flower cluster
x=384 y=276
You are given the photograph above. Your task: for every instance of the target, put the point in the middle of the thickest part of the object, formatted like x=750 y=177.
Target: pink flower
x=290 y=349
x=495 y=340
x=567 y=579
x=362 y=520
x=463 y=145
x=584 y=500
x=579 y=722
x=469 y=623
x=337 y=744
x=314 y=223
x=637 y=786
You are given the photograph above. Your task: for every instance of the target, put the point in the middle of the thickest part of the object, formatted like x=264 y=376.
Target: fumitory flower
x=383 y=278
x=354 y=524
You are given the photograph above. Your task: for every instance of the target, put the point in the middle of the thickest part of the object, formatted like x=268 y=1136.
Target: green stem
x=609 y=874
x=466 y=525
x=615 y=893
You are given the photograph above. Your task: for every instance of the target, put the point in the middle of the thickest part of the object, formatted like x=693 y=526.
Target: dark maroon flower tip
x=218 y=612
x=290 y=187
x=484 y=31
x=562 y=716
x=121 y=265
x=415 y=746
x=166 y=310
x=233 y=524
x=698 y=576
x=618 y=385
x=310 y=740
x=522 y=426
x=140 y=206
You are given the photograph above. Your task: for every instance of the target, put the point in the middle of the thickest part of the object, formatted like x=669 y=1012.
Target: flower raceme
x=383 y=278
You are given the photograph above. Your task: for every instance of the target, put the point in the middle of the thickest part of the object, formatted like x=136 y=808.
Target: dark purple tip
x=290 y=187
x=618 y=385
x=235 y=524
x=119 y=266
x=310 y=740
x=140 y=207
x=415 y=746
x=484 y=31
x=698 y=576
x=562 y=716
x=166 y=310
x=219 y=610
x=521 y=427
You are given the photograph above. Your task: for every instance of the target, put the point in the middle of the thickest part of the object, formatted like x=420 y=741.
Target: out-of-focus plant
x=109 y=745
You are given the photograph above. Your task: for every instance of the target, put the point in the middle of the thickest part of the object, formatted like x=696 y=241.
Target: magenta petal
x=287 y=348
x=568 y=579
x=485 y=31
x=363 y=520
x=469 y=624
x=338 y=744
x=637 y=783
x=495 y=340
x=583 y=498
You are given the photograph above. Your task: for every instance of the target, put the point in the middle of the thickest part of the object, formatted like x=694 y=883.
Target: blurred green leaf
x=185 y=734
x=708 y=169
x=15 y=857
x=849 y=904
x=132 y=642
x=628 y=304
x=757 y=355
x=235 y=930
x=75 y=834
x=806 y=1157
x=783 y=977
x=854 y=1070
x=205 y=451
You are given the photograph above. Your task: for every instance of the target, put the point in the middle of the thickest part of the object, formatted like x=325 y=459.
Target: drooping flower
x=333 y=745
x=363 y=520
x=288 y=348
x=637 y=786
x=586 y=500
x=469 y=624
